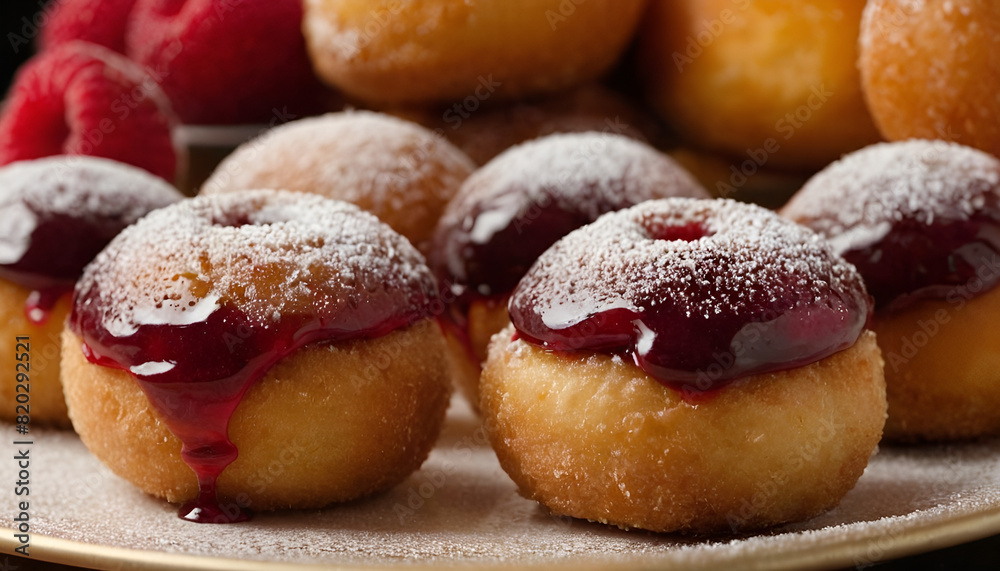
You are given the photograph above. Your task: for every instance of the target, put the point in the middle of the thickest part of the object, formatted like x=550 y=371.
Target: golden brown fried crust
x=593 y=437
x=732 y=76
x=486 y=318
x=422 y=52
x=328 y=423
x=930 y=70
x=942 y=369
x=464 y=369
x=45 y=397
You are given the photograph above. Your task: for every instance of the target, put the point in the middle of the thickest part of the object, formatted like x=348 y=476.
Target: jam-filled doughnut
x=516 y=206
x=686 y=365
x=230 y=333
x=921 y=221
x=440 y=50
x=930 y=70
x=765 y=80
x=399 y=171
x=56 y=214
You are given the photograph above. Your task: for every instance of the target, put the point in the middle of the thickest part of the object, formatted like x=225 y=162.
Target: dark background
x=12 y=52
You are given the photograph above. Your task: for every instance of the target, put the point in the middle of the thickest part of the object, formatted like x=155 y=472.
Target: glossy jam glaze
x=520 y=203
x=57 y=213
x=218 y=289
x=697 y=293
x=919 y=219
x=915 y=261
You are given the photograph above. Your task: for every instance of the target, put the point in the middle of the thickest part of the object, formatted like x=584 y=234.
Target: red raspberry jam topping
x=520 y=203
x=919 y=219
x=57 y=213
x=198 y=301
x=696 y=292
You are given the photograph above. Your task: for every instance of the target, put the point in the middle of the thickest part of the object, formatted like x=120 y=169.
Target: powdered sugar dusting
x=580 y=172
x=461 y=510
x=856 y=200
x=89 y=189
x=267 y=252
x=749 y=258
x=397 y=170
x=511 y=210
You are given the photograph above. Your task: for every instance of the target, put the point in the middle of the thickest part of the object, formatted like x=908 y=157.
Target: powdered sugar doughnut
x=56 y=214
x=419 y=52
x=669 y=361
x=256 y=311
x=397 y=170
x=921 y=221
x=511 y=210
x=930 y=70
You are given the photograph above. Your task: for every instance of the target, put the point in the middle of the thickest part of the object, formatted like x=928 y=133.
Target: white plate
x=461 y=510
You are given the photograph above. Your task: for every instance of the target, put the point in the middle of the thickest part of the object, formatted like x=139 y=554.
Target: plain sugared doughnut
x=397 y=170
x=268 y=313
x=517 y=205
x=931 y=70
x=445 y=51
x=767 y=80
x=56 y=214
x=921 y=221
x=669 y=363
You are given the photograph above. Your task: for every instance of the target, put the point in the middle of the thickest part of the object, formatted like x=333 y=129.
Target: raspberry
x=83 y=99
x=97 y=21
x=226 y=61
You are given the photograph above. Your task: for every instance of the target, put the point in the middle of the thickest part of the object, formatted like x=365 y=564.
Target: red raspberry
x=226 y=61
x=84 y=99
x=97 y=21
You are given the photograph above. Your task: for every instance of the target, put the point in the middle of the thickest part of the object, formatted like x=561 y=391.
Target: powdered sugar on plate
x=461 y=510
